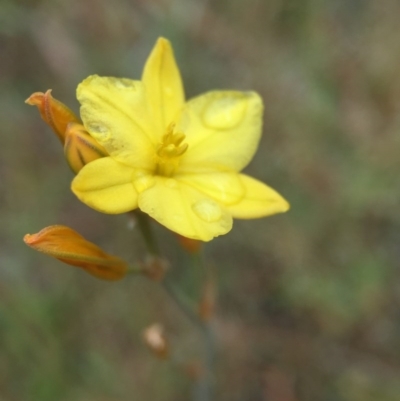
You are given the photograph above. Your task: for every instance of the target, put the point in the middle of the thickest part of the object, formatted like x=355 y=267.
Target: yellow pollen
x=168 y=152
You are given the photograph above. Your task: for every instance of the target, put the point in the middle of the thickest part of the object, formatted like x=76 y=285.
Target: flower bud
x=70 y=247
x=154 y=268
x=188 y=244
x=154 y=338
x=80 y=148
x=53 y=112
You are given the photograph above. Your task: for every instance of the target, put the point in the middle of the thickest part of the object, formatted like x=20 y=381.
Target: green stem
x=204 y=390
x=207 y=385
x=145 y=228
x=184 y=303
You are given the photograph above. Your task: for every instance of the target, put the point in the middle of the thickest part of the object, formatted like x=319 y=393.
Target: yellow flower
x=70 y=247
x=177 y=161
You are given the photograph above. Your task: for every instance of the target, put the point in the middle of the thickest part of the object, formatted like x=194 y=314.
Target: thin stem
x=206 y=386
x=204 y=391
x=145 y=228
x=208 y=382
x=185 y=304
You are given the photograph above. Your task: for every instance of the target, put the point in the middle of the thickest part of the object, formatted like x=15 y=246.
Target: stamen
x=182 y=149
x=169 y=151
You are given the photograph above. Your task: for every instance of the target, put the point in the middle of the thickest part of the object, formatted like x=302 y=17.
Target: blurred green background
x=308 y=301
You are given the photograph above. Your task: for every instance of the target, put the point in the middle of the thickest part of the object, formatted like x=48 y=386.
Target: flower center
x=169 y=151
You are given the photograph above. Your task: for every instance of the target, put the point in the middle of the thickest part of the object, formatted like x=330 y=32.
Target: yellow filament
x=169 y=151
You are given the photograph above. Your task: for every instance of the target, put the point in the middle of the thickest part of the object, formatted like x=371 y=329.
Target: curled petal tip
x=36 y=98
x=53 y=112
x=28 y=239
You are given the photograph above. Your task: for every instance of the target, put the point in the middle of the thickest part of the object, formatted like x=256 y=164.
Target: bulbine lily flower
x=68 y=246
x=178 y=161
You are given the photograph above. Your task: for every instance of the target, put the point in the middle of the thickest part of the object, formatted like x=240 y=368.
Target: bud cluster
x=79 y=147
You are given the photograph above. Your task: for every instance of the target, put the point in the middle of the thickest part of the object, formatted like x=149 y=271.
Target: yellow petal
x=106 y=186
x=163 y=83
x=70 y=247
x=114 y=112
x=222 y=129
x=185 y=210
x=226 y=187
x=259 y=201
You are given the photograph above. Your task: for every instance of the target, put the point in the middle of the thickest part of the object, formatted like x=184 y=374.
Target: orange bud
x=53 y=112
x=69 y=247
x=188 y=244
x=80 y=148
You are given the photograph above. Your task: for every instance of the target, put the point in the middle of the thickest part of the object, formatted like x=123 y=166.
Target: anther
x=169 y=151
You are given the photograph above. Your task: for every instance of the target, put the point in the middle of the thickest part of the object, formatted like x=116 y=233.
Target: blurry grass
x=309 y=300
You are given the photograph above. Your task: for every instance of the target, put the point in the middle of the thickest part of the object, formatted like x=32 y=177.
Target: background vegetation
x=308 y=301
